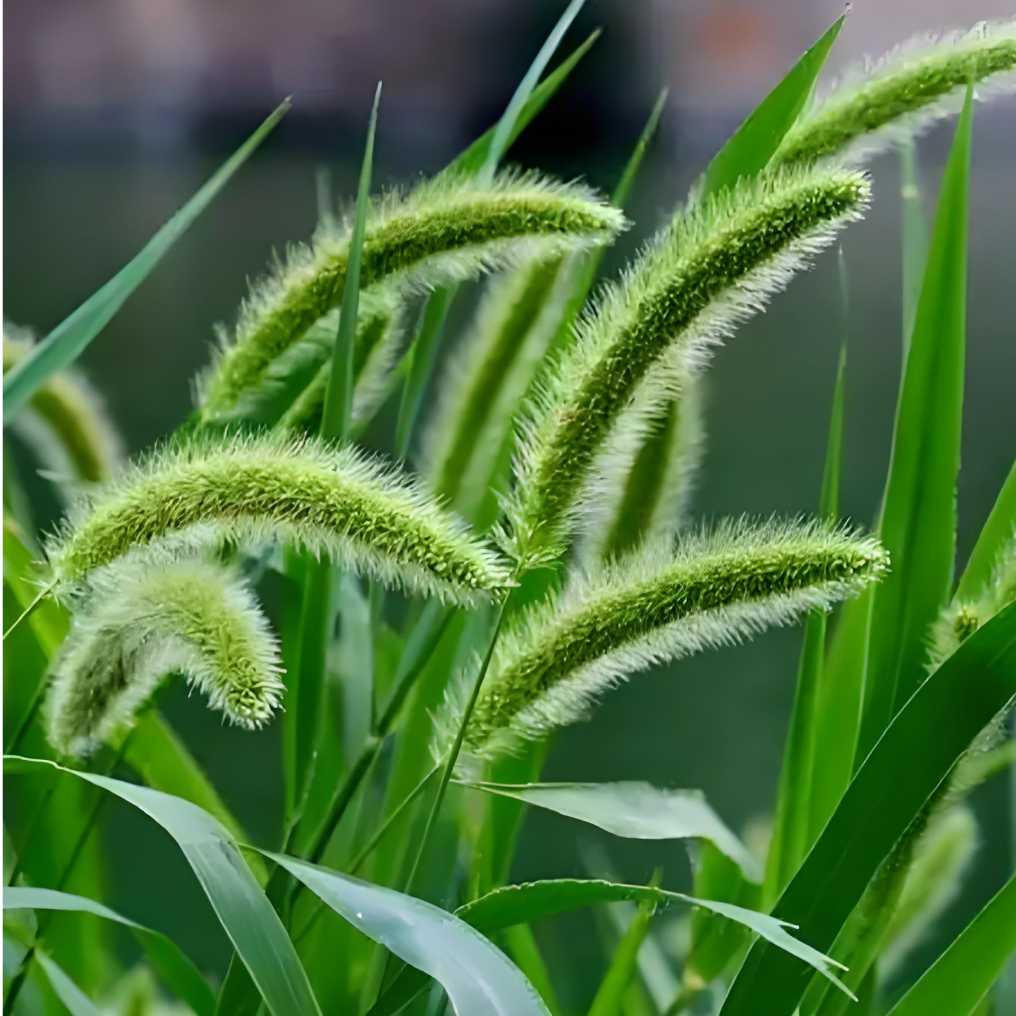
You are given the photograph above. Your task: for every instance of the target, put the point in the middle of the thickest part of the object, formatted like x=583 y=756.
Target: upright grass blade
x=960 y=978
x=76 y=1001
x=756 y=140
x=172 y=964
x=997 y=531
x=66 y=342
x=919 y=516
x=889 y=791
x=243 y=909
x=791 y=836
x=610 y=994
x=479 y=978
x=634 y=810
x=915 y=239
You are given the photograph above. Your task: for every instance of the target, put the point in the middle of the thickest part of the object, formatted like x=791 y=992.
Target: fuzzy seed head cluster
x=142 y=619
x=447 y=230
x=248 y=491
x=715 y=265
x=657 y=604
x=65 y=422
x=908 y=90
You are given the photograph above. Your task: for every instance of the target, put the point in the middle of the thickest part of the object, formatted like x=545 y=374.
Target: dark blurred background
x=116 y=110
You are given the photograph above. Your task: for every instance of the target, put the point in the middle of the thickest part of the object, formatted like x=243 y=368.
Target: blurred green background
x=115 y=112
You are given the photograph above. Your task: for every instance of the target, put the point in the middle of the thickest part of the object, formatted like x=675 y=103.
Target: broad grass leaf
x=635 y=810
x=960 y=978
x=62 y=346
x=756 y=140
x=243 y=909
x=178 y=972
x=889 y=791
x=919 y=514
x=479 y=979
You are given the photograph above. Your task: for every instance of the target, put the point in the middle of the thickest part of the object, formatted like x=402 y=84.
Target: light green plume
x=248 y=491
x=658 y=604
x=651 y=499
x=142 y=619
x=715 y=265
x=487 y=378
x=445 y=231
x=917 y=84
x=65 y=423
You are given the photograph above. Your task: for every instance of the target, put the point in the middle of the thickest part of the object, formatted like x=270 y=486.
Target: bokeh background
x=116 y=110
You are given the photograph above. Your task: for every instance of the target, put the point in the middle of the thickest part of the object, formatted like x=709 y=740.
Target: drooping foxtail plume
x=65 y=423
x=142 y=619
x=709 y=270
x=446 y=230
x=248 y=491
x=908 y=90
x=658 y=604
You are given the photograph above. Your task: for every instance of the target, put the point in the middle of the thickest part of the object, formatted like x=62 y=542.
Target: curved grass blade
x=635 y=810
x=960 y=978
x=919 y=515
x=243 y=909
x=62 y=346
x=76 y=1001
x=997 y=531
x=891 y=788
x=536 y=901
x=167 y=958
x=756 y=140
x=479 y=979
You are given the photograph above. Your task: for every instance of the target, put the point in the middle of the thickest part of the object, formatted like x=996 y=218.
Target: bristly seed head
x=658 y=604
x=144 y=618
x=446 y=230
x=714 y=266
x=249 y=491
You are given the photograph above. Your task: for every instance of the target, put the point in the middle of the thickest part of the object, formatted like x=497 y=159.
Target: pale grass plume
x=444 y=231
x=662 y=602
x=144 y=618
x=248 y=491
x=715 y=265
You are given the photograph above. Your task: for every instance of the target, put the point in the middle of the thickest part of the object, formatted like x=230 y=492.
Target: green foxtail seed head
x=248 y=491
x=960 y=620
x=659 y=603
x=65 y=422
x=908 y=90
x=652 y=498
x=446 y=230
x=143 y=618
x=486 y=379
x=710 y=269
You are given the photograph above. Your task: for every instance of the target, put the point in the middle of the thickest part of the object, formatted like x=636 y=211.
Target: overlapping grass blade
x=997 y=531
x=479 y=979
x=609 y=996
x=961 y=977
x=62 y=346
x=243 y=909
x=172 y=964
x=634 y=810
x=889 y=791
x=919 y=516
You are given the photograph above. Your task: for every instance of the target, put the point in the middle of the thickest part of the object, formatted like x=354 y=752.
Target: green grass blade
x=338 y=408
x=915 y=239
x=479 y=979
x=997 y=531
x=173 y=966
x=535 y=901
x=615 y=983
x=66 y=342
x=887 y=794
x=76 y=1001
x=526 y=953
x=919 y=517
x=791 y=838
x=960 y=978
x=243 y=909
x=756 y=140
x=634 y=810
